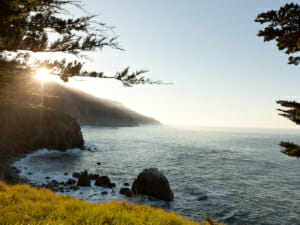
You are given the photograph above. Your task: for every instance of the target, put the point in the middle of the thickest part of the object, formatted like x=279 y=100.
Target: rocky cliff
x=49 y=115
x=25 y=128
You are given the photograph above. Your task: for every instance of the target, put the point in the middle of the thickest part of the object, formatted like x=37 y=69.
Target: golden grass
x=22 y=204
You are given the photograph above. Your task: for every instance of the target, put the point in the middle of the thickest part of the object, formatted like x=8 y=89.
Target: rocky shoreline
x=10 y=174
x=27 y=128
x=149 y=182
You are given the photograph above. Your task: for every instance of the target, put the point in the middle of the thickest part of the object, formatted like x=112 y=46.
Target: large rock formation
x=84 y=179
x=104 y=181
x=26 y=128
x=153 y=183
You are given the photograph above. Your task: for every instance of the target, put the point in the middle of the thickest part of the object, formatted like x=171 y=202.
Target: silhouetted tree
x=28 y=27
x=283 y=26
x=293 y=113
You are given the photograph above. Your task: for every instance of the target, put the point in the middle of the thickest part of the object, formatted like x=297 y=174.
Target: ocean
x=242 y=171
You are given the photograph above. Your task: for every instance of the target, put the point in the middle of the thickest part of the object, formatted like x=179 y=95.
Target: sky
x=222 y=73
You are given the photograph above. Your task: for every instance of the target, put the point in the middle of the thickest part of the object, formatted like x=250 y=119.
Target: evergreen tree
x=283 y=26
x=28 y=27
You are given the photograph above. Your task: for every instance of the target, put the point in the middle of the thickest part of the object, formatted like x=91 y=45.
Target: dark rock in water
x=66 y=173
x=47 y=178
x=73 y=187
x=25 y=168
x=71 y=181
x=53 y=185
x=89 y=149
x=86 y=175
x=202 y=197
x=104 y=181
x=104 y=192
x=126 y=184
x=78 y=174
x=93 y=176
x=81 y=193
x=29 y=173
x=75 y=174
x=98 y=163
x=126 y=191
x=83 y=179
x=153 y=183
x=15 y=170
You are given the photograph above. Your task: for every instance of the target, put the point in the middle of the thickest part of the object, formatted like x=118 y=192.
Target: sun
x=43 y=75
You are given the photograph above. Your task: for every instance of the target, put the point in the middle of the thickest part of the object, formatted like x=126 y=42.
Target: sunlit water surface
x=246 y=178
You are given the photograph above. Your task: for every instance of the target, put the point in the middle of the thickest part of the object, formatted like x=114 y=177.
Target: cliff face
x=26 y=128
x=88 y=109
x=35 y=116
x=38 y=115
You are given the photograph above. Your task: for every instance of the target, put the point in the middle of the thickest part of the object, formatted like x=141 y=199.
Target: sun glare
x=44 y=75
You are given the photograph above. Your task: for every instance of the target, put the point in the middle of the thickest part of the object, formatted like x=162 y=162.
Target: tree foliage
x=283 y=27
x=292 y=112
x=290 y=149
x=45 y=26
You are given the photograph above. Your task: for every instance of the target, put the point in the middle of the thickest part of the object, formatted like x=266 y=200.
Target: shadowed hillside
x=87 y=109
x=91 y=110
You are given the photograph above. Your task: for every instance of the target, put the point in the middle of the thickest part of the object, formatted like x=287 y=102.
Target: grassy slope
x=22 y=204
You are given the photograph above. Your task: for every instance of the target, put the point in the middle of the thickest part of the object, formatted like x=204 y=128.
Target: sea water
x=245 y=176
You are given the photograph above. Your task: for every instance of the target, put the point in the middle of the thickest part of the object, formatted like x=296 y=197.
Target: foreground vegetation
x=282 y=26
x=290 y=149
x=22 y=204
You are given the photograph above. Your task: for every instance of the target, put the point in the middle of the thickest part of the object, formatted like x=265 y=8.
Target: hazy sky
x=223 y=74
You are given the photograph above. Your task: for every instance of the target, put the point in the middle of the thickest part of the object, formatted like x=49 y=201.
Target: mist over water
x=245 y=176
